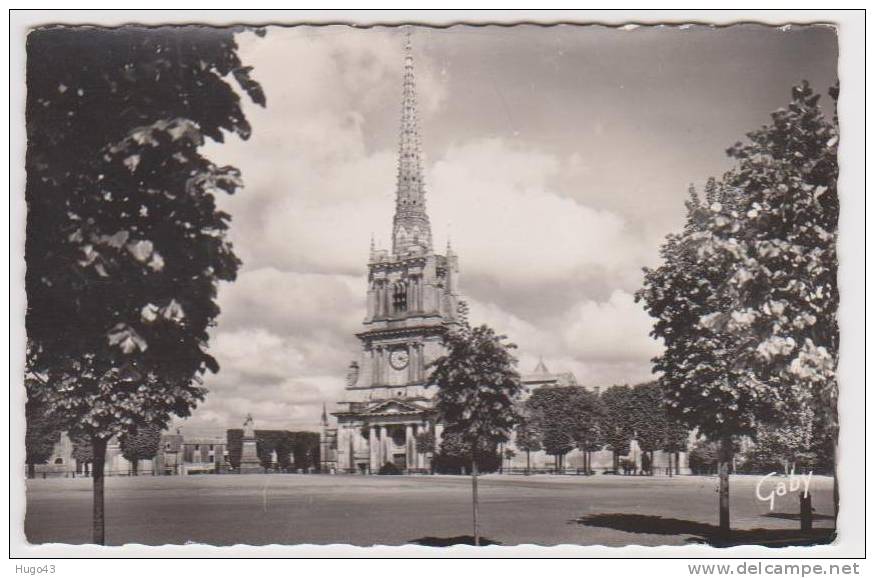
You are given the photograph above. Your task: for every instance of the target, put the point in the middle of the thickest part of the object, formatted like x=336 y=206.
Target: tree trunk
x=616 y=462
x=476 y=501
x=135 y=467
x=835 y=479
x=725 y=458
x=677 y=463
x=31 y=471
x=98 y=446
x=528 y=462
x=805 y=511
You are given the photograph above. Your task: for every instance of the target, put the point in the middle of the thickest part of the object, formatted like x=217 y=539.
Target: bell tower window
x=399 y=297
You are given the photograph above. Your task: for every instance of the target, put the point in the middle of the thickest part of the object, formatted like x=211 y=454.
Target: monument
x=249 y=461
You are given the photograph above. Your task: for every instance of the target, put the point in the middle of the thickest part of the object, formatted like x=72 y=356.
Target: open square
x=398 y=510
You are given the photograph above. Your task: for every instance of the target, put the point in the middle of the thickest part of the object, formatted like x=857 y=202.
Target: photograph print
x=431 y=285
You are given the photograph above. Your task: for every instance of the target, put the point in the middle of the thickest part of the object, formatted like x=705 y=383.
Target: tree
x=745 y=300
x=303 y=448
x=142 y=444
x=676 y=441
x=234 y=439
x=615 y=425
x=568 y=417
x=783 y=447
x=454 y=456
x=785 y=288
x=528 y=437
x=40 y=437
x=425 y=442
x=548 y=407
x=83 y=452
x=478 y=387
x=654 y=428
x=125 y=245
x=698 y=373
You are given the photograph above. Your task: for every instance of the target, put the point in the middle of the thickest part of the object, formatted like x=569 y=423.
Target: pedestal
x=249 y=461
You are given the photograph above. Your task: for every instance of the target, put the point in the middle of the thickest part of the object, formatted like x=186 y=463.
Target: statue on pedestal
x=249 y=427
x=249 y=461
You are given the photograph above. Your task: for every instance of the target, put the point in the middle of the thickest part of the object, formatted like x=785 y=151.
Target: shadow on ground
x=453 y=541
x=788 y=516
x=700 y=533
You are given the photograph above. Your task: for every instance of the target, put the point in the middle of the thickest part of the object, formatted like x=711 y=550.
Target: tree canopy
x=125 y=244
x=478 y=387
x=143 y=444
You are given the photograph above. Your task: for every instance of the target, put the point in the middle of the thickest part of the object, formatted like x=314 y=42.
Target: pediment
x=394 y=406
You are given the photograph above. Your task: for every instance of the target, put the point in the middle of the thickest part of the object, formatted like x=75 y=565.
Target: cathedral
x=412 y=298
x=411 y=302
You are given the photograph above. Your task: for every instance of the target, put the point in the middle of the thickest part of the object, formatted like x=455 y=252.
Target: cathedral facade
x=412 y=300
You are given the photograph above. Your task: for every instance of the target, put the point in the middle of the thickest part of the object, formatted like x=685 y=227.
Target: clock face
x=398 y=358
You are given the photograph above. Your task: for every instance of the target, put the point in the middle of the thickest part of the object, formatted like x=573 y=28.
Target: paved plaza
x=365 y=510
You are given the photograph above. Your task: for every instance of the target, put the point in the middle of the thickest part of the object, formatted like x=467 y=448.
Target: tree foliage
x=454 y=456
x=82 y=451
x=478 y=387
x=478 y=392
x=293 y=449
x=425 y=441
x=125 y=244
x=566 y=417
x=41 y=435
x=527 y=435
x=143 y=444
x=616 y=427
x=746 y=299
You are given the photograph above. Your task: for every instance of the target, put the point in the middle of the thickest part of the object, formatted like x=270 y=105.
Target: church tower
x=412 y=297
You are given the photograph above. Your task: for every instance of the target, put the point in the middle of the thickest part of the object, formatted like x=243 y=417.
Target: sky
x=556 y=159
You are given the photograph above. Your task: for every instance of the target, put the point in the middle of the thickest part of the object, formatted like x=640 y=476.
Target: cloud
x=555 y=189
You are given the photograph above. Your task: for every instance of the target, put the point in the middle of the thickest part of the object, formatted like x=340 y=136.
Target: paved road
x=315 y=509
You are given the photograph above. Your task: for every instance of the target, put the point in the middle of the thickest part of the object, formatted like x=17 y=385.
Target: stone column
x=372 y=449
x=374 y=376
x=351 y=435
x=420 y=362
x=372 y=302
x=411 y=362
x=410 y=446
x=387 y=445
x=381 y=446
x=379 y=365
x=438 y=434
x=417 y=429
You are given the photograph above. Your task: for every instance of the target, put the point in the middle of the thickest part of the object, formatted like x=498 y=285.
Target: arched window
x=399 y=297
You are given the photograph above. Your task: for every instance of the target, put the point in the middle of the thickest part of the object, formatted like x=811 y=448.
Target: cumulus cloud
x=318 y=184
x=529 y=168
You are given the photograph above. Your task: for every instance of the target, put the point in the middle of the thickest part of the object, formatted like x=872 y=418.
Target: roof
x=541 y=368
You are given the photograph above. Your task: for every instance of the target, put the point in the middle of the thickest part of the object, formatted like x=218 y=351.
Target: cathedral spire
x=411 y=230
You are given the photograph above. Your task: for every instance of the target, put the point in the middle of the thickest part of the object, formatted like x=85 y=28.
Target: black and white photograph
x=435 y=284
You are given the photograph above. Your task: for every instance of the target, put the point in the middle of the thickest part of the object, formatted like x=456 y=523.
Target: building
x=176 y=455
x=412 y=298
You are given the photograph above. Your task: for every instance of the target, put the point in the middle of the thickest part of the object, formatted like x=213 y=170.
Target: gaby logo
x=793 y=484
